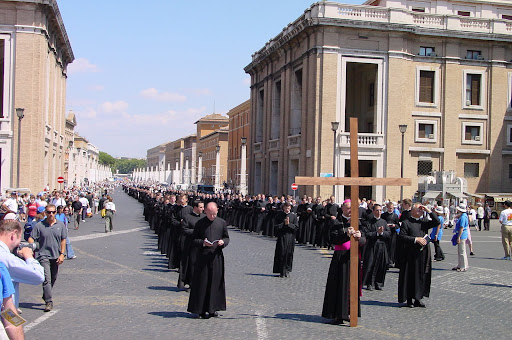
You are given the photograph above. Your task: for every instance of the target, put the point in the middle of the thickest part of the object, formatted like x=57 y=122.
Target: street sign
x=294 y=186
x=60 y=179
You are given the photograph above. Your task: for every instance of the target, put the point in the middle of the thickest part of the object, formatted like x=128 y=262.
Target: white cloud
x=110 y=107
x=87 y=113
x=82 y=65
x=247 y=81
x=196 y=111
x=153 y=93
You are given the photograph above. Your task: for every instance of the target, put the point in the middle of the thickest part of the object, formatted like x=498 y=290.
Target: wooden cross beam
x=354 y=182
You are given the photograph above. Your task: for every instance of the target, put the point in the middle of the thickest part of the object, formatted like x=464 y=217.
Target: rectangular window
x=473 y=85
x=471 y=170
x=472 y=133
x=426 y=131
x=510 y=171
x=418 y=9
x=427 y=79
x=509 y=134
x=464 y=13
x=424 y=168
x=506 y=17
x=427 y=51
x=473 y=54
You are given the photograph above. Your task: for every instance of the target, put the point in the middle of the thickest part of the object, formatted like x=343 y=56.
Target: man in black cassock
x=416 y=265
x=375 y=258
x=286 y=225
x=207 y=289
x=392 y=220
x=189 y=253
x=337 y=291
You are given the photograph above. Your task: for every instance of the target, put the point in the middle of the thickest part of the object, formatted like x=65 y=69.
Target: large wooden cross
x=354 y=182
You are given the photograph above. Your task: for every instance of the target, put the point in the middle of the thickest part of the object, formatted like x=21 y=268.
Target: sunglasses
x=50 y=211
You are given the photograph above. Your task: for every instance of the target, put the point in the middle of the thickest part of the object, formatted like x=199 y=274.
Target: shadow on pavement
x=173 y=315
x=299 y=317
x=380 y=303
x=491 y=285
x=257 y=274
x=166 y=288
x=158 y=270
x=30 y=305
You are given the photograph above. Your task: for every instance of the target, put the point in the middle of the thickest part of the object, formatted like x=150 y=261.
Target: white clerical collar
x=416 y=218
x=346 y=217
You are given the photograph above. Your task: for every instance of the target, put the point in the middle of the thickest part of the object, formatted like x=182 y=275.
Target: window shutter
x=427 y=86
x=475 y=89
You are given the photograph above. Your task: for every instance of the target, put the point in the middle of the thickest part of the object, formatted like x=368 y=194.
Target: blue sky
x=145 y=71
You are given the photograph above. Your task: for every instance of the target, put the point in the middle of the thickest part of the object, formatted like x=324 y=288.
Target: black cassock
x=207 y=289
x=416 y=265
x=337 y=290
x=188 y=252
x=375 y=257
x=283 y=257
x=392 y=218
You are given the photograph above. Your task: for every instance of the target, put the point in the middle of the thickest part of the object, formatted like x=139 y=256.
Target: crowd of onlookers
x=34 y=241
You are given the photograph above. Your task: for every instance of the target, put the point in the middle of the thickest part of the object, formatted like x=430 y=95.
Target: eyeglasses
x=50 y=211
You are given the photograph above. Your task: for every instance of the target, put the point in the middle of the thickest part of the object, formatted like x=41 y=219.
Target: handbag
x=454 y=239
x=103 y=212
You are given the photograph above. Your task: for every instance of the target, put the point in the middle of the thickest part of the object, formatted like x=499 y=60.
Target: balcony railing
x=273 y=144
x=294 y=141
x=368 y=140
x=257 y=147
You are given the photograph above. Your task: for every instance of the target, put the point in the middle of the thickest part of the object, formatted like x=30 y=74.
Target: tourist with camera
x=22 y=268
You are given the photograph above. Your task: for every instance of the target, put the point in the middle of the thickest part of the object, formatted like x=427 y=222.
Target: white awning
x=474 y=195
x=457 y=194
x=432 y=194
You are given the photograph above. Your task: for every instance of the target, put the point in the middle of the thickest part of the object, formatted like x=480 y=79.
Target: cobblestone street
x=119 y=287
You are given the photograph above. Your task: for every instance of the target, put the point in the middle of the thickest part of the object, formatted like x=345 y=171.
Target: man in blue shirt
x=7 y=289
x=51 y=235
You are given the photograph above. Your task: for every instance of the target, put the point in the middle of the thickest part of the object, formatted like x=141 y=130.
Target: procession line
x=39 y=320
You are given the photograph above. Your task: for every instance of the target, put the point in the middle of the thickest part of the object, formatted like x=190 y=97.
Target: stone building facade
x=34 y=54
x=239 y=126
x=213 y=150
x=443 y=68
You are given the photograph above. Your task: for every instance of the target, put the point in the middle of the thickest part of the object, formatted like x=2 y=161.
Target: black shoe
x=472 y=254
x=49 y=306
x=214 y=315
x=337 y=322
x=409 y=304
x=281 y=275
x=378 y=287
x=418 y=303
x=369 y=287
x=204 y=316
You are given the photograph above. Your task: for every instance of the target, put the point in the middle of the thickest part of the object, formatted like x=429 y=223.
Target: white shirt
x=12 y=204
x=110 y=206
x=84 y=201
x=506 y=217
x=59 y=201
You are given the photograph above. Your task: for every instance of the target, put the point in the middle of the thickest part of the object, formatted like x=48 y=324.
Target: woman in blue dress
x=461 y=235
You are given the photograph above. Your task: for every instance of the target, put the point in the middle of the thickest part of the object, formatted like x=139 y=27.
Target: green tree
x=106 y=159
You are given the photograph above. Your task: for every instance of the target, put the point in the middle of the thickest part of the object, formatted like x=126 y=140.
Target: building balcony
x=257 y=147
x=364 y=140
x=294 y=141
x=273 y=144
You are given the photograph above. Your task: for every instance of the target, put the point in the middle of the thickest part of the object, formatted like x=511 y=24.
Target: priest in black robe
x=189 y=253
x=207 y=290
x=337 y=291
x=286 y=226
x=392 y=220
x=375 y=258
x=416 y=265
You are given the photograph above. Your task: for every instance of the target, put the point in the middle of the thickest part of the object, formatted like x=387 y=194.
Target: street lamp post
x=243 y=167
x=217 y=167
x=403 y=129
x=20 y=112
x=334 y=128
